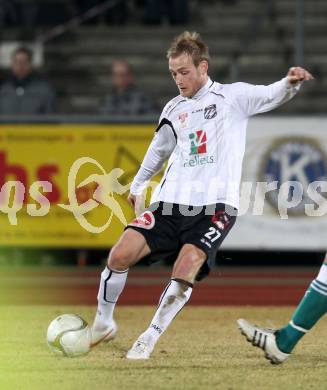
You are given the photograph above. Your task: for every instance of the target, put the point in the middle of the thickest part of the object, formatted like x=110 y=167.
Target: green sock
x=312 y=307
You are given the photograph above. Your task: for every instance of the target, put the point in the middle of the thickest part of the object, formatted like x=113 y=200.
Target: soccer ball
x=69 y=335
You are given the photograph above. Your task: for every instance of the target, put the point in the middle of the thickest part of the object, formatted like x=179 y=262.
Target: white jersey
x=204 y=139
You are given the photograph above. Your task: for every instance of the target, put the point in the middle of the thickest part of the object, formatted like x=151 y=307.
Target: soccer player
x=279 y=343
x=202 y=132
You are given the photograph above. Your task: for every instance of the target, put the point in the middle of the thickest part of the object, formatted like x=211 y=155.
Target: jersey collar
x=203 y=90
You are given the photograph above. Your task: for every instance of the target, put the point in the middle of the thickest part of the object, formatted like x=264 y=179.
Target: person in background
x=24 y=92
x=125 y=98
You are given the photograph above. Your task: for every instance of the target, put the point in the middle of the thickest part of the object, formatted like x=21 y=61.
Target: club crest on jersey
x=145 y=220
x=210 y=111
x=221 y=220
x=183 y=119
x=198 y=142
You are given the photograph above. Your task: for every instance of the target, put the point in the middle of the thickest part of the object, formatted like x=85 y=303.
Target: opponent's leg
x=278 y=344
x=172 y=300
x=129 y=250
x=312 y=307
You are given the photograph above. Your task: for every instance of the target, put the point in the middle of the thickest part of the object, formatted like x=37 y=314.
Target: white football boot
x=105 y=335
x=141 y=349
x=264 y=339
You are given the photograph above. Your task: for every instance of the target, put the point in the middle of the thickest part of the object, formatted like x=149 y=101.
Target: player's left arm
x=256 y=99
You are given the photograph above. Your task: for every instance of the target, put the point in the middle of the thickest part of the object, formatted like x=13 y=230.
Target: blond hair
x=190 y=43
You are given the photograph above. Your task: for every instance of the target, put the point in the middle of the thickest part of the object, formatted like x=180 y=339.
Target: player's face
x=188 y=77
x=122 y=77
x=21 y=66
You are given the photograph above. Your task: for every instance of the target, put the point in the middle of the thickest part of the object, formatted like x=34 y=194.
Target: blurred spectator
x=177 y=11
x=24 y=92
x=126 y=98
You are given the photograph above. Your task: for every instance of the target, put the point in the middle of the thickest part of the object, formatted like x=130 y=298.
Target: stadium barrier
x=44 y=149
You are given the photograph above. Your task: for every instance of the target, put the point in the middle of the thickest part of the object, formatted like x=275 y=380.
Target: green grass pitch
x=202 y=349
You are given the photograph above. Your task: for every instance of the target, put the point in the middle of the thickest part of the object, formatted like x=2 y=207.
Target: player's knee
x=118 y=259
x=189 y=263
x=193 y=258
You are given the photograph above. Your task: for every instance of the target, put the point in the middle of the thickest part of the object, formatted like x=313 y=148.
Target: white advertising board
x=289 y=155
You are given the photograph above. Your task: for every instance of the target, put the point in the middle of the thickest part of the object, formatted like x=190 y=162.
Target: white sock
x=171 y=302
x=111 y=285
x=322 y=275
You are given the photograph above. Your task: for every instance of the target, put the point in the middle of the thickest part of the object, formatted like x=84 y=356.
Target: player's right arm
x=161 y=147
x=256 y=99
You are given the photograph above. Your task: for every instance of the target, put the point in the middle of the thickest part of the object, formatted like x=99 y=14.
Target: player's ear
x=203 y=67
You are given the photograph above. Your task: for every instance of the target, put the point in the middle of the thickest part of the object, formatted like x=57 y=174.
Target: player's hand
x=131 y=199
x=137 y=202
x=296 y=74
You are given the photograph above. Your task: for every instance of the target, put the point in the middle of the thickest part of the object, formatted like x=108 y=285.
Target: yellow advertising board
x=67 y=185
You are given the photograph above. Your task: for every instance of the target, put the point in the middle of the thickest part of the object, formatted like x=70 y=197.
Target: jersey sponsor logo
x=295 y=160
x=183 y=119
x=198 y=142
x=198 y=150
x=221 y=220
x=210 y=111
x=145 y=220
x=198 y=160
